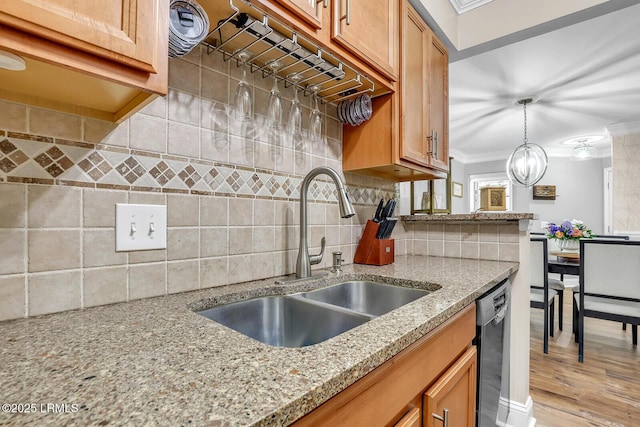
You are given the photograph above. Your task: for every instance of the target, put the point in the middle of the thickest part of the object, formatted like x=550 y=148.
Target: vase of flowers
x=568 y=234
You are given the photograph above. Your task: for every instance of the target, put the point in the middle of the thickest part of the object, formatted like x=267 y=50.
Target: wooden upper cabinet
x=100 y=59
x=123 y=31
x=414 y=89
x=453 y=396
x=310 y=11
x=424 y=130
x=406 y=139
x=369 y=29
x=438 y=103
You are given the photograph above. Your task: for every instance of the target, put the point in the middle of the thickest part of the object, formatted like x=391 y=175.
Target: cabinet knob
x=325 y=3
x=348 y=12
x=444 y=417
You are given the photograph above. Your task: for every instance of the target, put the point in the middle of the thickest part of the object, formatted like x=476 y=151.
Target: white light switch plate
x=140 y=227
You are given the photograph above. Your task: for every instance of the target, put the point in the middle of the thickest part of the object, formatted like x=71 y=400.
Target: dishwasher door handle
x=499 y=317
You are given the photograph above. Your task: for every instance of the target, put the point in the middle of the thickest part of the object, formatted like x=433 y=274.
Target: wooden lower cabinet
x=451 y=401
x=413 y=418
x=443 y=361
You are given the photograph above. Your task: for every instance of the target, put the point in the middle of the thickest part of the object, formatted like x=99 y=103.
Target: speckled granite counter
x=155 y=362
x=473 y=217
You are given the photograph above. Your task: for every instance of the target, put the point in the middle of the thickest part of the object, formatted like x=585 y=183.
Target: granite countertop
x=473 y=217
x=156 y=362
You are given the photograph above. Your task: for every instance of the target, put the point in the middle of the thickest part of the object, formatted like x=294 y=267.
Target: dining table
x=564 y=263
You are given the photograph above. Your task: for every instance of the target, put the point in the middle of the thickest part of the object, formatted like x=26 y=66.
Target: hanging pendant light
x=528 y=162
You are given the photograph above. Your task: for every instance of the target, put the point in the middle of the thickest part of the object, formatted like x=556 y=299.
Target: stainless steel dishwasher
x=492 y=341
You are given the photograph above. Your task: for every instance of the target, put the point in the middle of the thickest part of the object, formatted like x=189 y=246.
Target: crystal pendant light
x=528 y=162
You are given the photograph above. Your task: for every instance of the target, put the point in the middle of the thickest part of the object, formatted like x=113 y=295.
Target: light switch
x=140 y=227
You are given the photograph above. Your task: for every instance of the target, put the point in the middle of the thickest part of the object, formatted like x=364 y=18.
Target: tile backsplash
x=231 y=191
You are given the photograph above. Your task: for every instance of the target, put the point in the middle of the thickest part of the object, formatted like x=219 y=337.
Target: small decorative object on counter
x=375 y=247
x=569 y=233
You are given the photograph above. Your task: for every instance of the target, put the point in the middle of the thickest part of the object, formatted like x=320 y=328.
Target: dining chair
x=609 y=285
x=614 y=236
x=540 y=294
x=560 y=285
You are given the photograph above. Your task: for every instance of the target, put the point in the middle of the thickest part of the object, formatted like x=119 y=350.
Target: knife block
x=374 y=251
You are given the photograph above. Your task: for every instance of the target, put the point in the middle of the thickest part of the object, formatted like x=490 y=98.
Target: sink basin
x=312 y=317
x=283 y=321
x=366 y=297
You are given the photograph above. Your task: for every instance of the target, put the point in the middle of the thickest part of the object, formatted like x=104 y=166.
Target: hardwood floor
x=602 y=391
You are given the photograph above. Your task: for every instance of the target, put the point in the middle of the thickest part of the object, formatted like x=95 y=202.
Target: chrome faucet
x=305 y=261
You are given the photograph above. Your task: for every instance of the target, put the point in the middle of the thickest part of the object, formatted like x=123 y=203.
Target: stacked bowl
x=188 y=26
x=355 y=111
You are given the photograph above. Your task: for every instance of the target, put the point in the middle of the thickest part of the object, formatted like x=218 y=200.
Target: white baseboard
x=515 y=413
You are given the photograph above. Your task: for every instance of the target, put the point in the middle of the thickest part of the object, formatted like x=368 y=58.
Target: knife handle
x=377 y=217
x=382 y=229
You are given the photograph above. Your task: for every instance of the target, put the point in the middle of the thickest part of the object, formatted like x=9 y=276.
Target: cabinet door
x=414 y=109
x=309 y=11
x=438 y=104
x=451 y=401
x=411 y=419
x=122 y=31
x=369 y=29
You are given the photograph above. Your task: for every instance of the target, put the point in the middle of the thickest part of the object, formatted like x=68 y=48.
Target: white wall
x=579 y=189
x=459 y=204
x=579 y=193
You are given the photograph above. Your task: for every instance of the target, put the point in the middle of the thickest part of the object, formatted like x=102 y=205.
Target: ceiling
x=584 y=77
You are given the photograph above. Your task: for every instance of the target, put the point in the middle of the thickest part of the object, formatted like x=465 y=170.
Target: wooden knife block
x=374 y=251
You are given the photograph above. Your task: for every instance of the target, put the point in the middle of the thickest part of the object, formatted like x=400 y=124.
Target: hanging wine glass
x=315 y=118
x=294 y=122
x=274 y=109
x=243 y=104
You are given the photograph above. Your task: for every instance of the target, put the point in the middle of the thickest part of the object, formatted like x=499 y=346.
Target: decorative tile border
x=33 y=159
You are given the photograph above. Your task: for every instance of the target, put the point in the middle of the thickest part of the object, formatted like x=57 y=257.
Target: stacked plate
x=355 y=111
x=188 y=26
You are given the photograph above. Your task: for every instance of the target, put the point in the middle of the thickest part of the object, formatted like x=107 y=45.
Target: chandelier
x=528 y=162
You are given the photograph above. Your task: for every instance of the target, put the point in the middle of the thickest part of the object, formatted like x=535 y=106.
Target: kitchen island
x=156 y=361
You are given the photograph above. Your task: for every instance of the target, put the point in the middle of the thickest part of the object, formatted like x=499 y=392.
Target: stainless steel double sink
x=309 y=318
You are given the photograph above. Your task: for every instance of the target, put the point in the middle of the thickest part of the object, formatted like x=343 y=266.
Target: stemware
x=315 y=118
x=274 y=109
x=295 y=112
x=243 y=101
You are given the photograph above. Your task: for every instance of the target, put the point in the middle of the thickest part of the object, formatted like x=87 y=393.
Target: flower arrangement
x=569 y=230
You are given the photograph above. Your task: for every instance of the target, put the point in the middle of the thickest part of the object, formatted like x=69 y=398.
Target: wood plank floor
x=602 y=391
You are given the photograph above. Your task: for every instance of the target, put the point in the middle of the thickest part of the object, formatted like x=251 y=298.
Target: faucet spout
x=303 y=265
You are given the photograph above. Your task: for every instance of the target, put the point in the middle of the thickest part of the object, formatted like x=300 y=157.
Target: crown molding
x=462 y=6
x=617 y=129
x=555 y=152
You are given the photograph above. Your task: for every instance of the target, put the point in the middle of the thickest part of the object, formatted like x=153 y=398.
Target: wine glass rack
x=268 y=40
